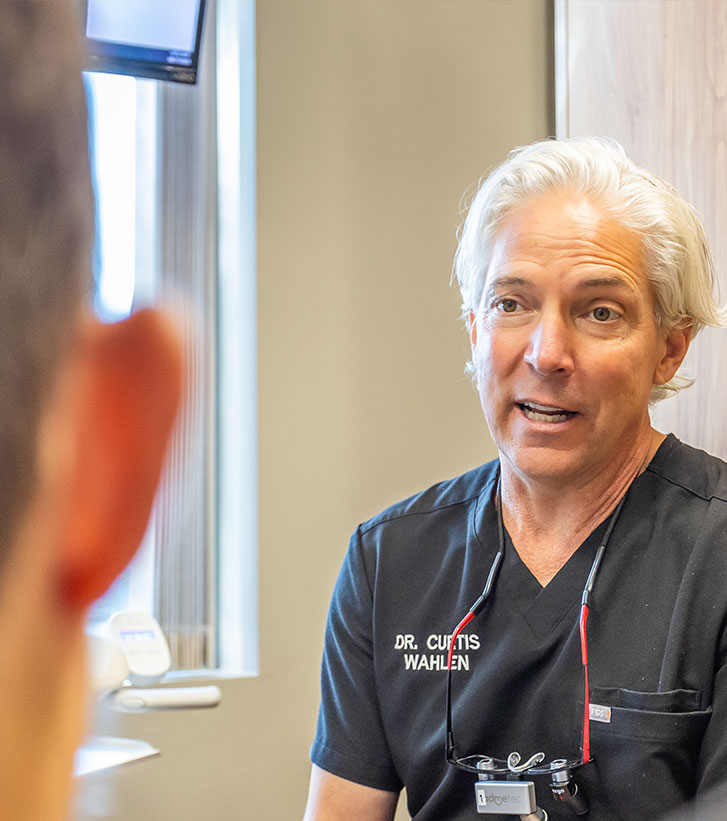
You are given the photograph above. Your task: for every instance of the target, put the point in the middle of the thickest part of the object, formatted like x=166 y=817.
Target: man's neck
x=547 y=521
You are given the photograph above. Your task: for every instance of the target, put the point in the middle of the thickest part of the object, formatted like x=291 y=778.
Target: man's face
x=565 y=343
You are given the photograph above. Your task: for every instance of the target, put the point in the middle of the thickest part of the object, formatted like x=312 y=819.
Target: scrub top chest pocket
x=648 y=744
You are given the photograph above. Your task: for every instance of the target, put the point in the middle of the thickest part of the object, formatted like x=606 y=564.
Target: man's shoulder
x=696 y=471
x=444 y=497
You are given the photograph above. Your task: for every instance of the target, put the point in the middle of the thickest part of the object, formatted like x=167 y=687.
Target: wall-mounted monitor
x=145 y=38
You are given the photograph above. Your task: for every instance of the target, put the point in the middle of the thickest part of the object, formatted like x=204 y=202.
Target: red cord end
x=584 y=643
x=457 y=630
x=586 y=698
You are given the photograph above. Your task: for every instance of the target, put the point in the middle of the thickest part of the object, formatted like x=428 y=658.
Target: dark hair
x=46 y=225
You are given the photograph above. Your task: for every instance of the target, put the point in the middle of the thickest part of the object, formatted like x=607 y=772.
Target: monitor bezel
x=120 y=58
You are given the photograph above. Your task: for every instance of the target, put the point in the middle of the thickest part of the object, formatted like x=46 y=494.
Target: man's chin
x=552 y=467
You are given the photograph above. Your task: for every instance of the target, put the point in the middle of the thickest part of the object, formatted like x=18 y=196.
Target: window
x=175 y=176
x=122 y=114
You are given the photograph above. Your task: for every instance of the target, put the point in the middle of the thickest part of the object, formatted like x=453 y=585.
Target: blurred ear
x=472 y=322
x=115 y=404
x=676 y=347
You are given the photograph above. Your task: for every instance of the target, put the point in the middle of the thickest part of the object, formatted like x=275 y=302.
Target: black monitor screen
x=145 y=38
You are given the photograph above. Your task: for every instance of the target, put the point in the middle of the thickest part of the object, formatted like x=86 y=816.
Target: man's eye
x=507 y=306
x=603 y=314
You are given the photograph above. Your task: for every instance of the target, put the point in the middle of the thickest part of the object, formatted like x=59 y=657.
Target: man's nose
x=549 y=348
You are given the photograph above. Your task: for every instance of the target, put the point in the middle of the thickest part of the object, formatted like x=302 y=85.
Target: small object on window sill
x=138 y=700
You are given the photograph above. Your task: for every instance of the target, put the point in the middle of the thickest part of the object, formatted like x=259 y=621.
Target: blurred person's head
x=85 y=409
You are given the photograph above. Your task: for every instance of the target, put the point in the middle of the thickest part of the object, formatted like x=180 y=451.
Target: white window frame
x=202 y=204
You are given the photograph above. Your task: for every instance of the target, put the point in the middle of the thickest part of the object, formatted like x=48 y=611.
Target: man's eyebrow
x=508 y=282
x=607 y=282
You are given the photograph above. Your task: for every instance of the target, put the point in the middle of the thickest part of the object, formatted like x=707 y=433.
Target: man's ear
x=115 y=403
x=676 y=347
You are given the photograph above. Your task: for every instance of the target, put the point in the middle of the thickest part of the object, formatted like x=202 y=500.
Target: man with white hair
x=545 y=635
x=85 y=411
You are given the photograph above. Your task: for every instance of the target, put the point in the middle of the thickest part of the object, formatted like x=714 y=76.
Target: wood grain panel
x=653 y=74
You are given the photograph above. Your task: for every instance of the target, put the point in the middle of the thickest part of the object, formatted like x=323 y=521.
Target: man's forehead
x=569 y=231
x=571 y=217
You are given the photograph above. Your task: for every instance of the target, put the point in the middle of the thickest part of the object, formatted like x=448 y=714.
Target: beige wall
x=374 y=117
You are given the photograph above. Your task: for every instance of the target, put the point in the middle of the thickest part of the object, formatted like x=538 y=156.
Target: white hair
x=676 y=255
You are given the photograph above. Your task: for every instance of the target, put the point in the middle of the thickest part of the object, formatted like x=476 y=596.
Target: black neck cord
x=464 y=763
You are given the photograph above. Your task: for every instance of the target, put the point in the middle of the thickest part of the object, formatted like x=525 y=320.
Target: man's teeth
x=543 y=413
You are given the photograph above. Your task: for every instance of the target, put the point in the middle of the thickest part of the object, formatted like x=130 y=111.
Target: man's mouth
x=545 y=413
